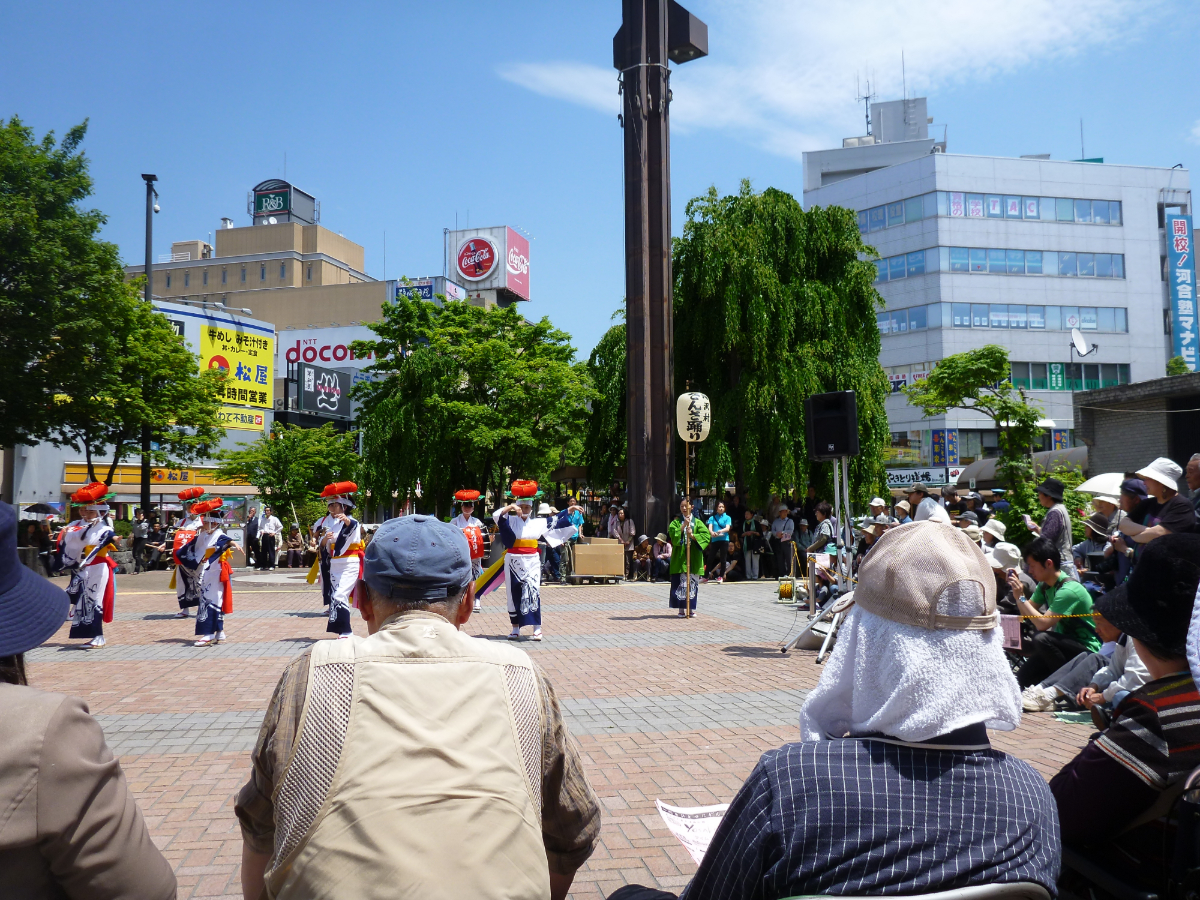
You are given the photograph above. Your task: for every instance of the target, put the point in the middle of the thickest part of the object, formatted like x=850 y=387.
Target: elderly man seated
x=1114 y=796
x=894 y=788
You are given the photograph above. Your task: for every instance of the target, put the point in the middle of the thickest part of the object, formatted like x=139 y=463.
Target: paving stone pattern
x=662 y=708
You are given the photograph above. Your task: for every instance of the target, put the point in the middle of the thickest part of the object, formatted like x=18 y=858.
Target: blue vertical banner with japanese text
x=944 y=447
x=1181 y=282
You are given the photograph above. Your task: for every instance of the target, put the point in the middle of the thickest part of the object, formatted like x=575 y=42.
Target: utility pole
x=151 y=209
x=652 y=33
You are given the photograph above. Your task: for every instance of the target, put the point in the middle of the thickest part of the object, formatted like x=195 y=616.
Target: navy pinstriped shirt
x=874 y=816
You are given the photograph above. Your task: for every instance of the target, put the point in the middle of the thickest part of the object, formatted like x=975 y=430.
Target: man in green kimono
x=683 y=529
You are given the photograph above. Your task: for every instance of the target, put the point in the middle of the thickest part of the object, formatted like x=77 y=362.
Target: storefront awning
x=983 y=471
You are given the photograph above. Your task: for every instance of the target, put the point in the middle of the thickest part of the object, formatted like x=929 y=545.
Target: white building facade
x=1016 y=252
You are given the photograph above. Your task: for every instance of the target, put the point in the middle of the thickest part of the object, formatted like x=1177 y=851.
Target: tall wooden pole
x=650 y=469
x=687 y=537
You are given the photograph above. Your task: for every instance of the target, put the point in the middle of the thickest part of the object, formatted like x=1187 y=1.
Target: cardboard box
x=600 y=559
x=599 y=540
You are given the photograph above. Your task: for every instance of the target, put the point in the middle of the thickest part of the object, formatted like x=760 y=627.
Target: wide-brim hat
x=543 y=509
x=1004 y=556
x=1165 y=471
x=1098 y=522
x=1052 y=488
x=1155 y=604
x=1106 y=498
x=904 y=505
x=995 y=528
x=31 y=608
x=662 y=537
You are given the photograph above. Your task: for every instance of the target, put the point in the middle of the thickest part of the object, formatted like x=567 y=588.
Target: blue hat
x=1134 y=486
x=31 y=608
x=417 y=558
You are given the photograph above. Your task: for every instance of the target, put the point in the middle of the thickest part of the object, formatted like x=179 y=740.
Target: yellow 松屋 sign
x=241 y=419
x=248 y=360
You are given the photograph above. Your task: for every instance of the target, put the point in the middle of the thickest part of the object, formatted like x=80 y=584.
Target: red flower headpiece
x=338 y=488
x=207 y=506
x=192 y=493
x=466 y=496
x=90 y=493
x=524 y=488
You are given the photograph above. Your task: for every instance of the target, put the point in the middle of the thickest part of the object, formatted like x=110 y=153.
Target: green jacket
x=700 y=538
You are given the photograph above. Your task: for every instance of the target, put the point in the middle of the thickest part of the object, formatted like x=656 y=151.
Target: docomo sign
x=477 y=258
x=324 y=346
x=323 y=352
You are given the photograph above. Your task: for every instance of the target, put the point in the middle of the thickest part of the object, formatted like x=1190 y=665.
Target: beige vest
x=416 y=772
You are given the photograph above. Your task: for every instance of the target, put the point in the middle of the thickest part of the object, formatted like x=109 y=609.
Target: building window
x=1108 y=319
x=243 y=274
x=204 y=277
x=1040 y=376
x=310 y=271
x=994 y=206
x=187 y=278
x=168 y=279
x=282 y=271
x=995 y=261
x=223 y=274
x=262 y=272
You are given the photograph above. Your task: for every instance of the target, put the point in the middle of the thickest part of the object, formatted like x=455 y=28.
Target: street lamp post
x=652 y=33
x=151 y=209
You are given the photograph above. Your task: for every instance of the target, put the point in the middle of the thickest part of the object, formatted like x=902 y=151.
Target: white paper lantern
x=693 y=416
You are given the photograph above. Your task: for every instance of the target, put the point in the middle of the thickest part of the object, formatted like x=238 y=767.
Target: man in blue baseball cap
x=419 y=757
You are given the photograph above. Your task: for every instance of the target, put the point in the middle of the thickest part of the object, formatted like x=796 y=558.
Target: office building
x=978 y=250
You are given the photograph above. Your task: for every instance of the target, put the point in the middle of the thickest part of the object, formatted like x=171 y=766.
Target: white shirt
x=269 y=525
x=929 y=509
x=461 y=521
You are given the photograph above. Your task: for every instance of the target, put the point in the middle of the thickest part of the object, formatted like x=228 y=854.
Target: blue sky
x=401 y=117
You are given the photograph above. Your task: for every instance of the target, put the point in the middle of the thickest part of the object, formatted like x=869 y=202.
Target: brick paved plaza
x=663 y=708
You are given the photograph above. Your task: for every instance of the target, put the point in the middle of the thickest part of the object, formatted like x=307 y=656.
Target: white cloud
x=783 y=75
x=1196 y=132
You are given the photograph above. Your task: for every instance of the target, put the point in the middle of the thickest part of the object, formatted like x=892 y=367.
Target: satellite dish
x=1081 y=346
x=271 y=221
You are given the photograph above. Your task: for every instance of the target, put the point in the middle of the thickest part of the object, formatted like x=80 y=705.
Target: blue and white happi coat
x=523 y=564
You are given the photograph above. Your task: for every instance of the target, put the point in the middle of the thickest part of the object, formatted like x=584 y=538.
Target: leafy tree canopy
x=1176 y=366
x=291 y=464
x=466 y=397
x=979 y=380
x=607 y=442
x=774 y=304
x=123 y=367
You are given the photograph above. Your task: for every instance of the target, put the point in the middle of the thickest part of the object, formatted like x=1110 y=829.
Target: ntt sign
x=323 y=346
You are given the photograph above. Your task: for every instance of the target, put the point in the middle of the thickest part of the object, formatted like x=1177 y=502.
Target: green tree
x=980 y=380
x=465 y=397
x=54 y=274
x=124 y=367
x=1176 y=366
x=774 y=304
x=607 y=442
x=291 y=464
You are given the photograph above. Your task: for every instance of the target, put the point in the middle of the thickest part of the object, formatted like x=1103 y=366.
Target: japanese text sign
x=1181 y=282
x=944 y=446
x=248 y=360
x=693 y=416
x=240 y=419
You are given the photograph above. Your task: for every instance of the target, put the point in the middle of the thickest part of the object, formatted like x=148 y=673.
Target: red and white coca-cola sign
x=517 y=263
x=476 y=258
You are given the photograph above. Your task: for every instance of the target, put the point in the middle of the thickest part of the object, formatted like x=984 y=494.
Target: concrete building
x=989 y=250
x=1126 y=427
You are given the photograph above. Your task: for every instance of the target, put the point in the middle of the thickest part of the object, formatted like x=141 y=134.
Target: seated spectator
x=966 y=518
x=662 y=557
x=1092 y=680
x=1191 y=474
x=456 y=777
x=1135 y=505
x=926 y=506
x=156 y=547
x=871 y=531
x=878 y=507
x=642 y=557
x=1005 y=558
x=802 y=537
x=824 y=535
x=1108 y=795
x=70 y=826
x=903 y=512
x=1172 y=512
x=294 y=544
x=894 y=788
x=974 y=503
x=975 y=533
x=1060 y=610
x=1096 y=528
x=992 y=533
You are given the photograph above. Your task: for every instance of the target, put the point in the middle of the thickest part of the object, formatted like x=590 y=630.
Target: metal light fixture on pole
x=693 y=418
x=151 y=209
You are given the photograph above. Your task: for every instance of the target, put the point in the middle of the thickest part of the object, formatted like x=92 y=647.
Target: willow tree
x=774 y=304
x=604 y=450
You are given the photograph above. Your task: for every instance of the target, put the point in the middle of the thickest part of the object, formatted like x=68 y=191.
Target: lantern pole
x=687 y=537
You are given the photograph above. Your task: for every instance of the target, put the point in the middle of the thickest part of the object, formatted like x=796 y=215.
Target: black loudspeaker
x=831 y=425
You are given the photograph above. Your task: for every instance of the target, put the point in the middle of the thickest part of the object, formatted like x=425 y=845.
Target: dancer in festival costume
x=339 y=556
x=472 y=530
x=92 y=589
x=519 y=532
x=682 y=530
x=187 y=590
x=206 y=559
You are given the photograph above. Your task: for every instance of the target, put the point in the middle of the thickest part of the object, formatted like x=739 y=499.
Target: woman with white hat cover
x=93 y=585
x=206 y=557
